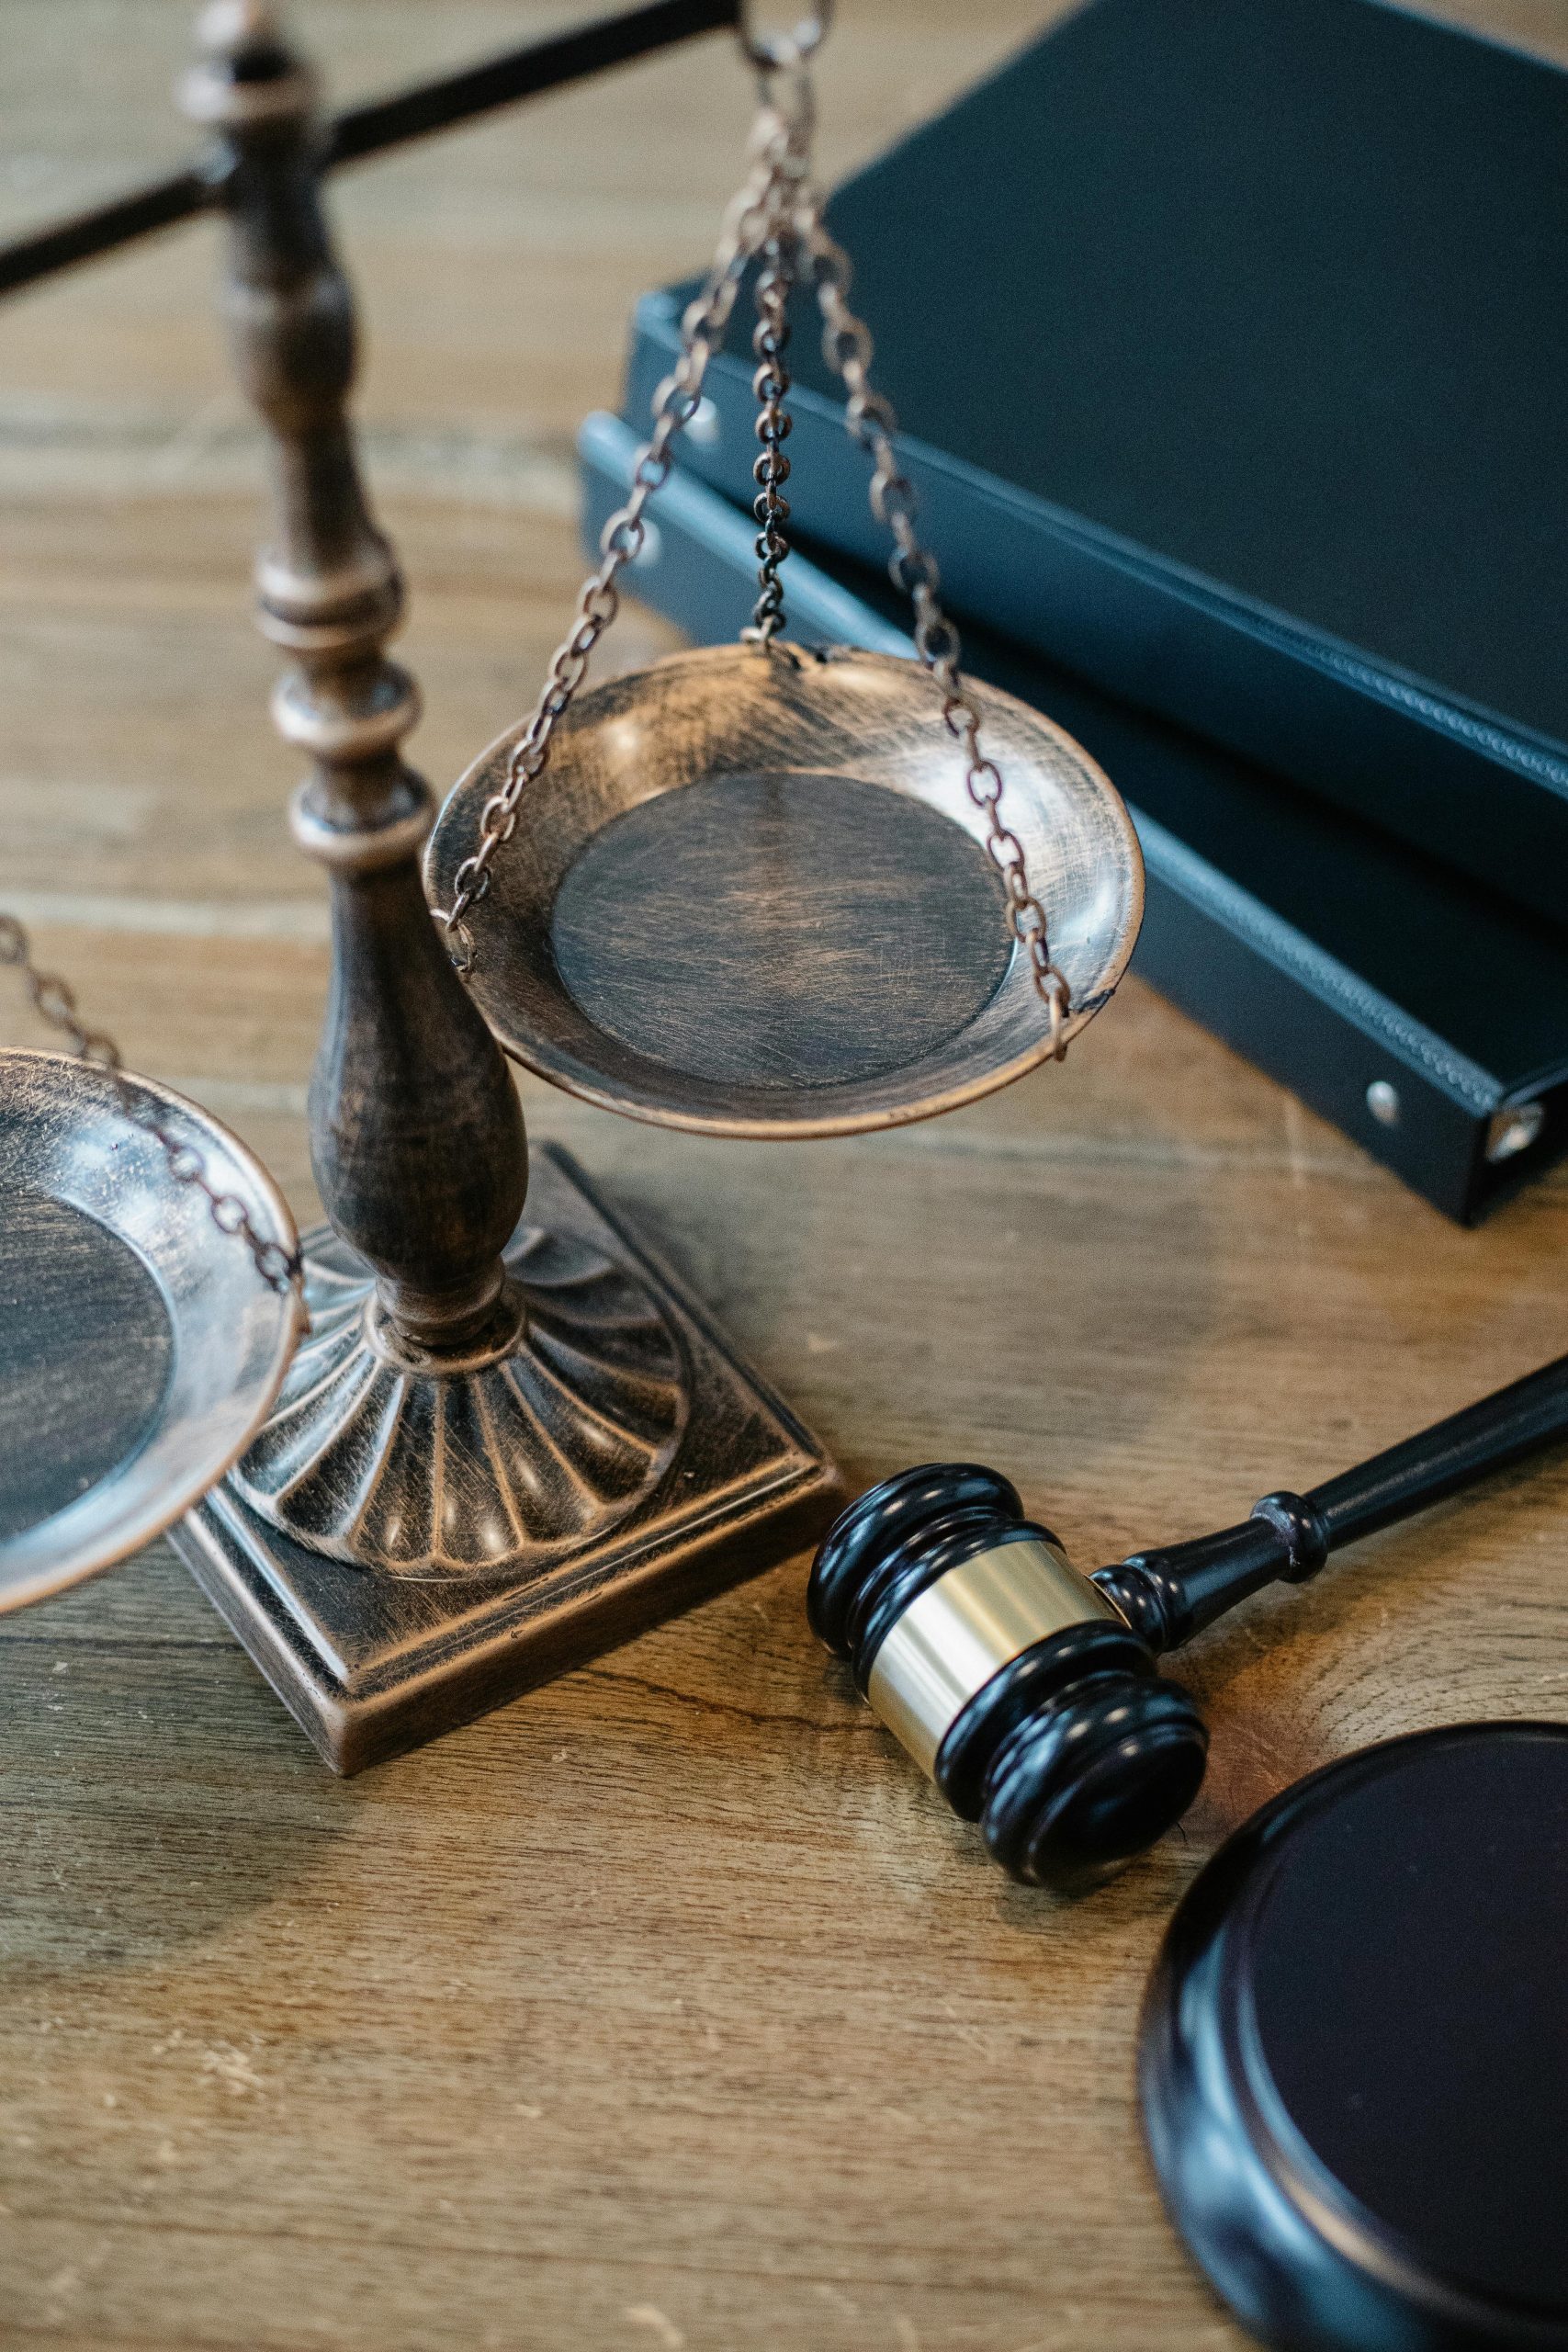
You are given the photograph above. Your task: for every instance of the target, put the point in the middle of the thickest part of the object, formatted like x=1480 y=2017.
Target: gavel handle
x=1511 y=1422
x=1170 y=1594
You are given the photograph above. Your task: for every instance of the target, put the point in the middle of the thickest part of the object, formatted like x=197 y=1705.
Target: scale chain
x=777 y=216
x=770 y=470
x=771 y=384
x=754 y=214
x=848 y=349
x=55 y=1001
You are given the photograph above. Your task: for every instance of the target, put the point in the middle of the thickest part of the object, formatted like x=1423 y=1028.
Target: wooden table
x=665 y=2007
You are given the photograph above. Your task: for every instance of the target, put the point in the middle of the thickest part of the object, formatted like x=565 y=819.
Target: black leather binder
x=1230 y=338
x=1307 y=940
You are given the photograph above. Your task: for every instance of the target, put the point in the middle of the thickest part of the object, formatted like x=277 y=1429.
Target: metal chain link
x=848 y=349
x=764 y=201
x=769 y=385
x=55 y=1003
x=776 y=216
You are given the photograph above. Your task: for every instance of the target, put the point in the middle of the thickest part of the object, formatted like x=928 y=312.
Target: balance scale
x=474 y=1430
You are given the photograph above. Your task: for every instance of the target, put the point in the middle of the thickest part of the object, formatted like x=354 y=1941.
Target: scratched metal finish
x=700 y=967
x=866 y=911
x=139 y=1349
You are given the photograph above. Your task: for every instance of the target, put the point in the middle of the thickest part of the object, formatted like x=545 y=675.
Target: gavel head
x=1012 y=1678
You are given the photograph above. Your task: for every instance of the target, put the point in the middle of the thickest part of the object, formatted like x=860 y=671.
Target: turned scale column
x=471 y=1394
x=416 y=1135
x=503 y=1447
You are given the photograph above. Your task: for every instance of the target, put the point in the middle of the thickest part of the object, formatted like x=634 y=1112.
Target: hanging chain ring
x=769 y=53
x=55 y=1001
x=463 y=954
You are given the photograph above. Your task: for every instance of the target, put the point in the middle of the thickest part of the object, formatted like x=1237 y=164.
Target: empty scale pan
x=140 y=1349
x=751 y=895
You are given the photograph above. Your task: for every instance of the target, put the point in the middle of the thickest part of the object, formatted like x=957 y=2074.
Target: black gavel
x=1029 y=1691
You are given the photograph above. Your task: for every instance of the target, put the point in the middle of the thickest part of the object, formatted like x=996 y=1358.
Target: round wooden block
x=1354 y=2063
x=751 y=895
x=140 y=1348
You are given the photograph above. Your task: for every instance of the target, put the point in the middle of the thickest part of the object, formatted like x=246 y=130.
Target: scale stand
x=511 y=1441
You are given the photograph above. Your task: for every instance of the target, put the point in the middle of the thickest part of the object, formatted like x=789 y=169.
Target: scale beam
x=373 y=127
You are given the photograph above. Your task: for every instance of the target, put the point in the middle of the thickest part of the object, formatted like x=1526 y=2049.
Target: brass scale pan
x=749 y=895
x=140 y=1349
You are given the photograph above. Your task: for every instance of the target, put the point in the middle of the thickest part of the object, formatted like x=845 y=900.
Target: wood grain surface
x=666 y=2008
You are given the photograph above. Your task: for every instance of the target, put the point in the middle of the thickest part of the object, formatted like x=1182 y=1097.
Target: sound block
x=1354 y=2060
x=373 y=1658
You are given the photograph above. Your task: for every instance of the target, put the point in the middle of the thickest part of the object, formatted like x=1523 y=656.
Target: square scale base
x=371 y=1664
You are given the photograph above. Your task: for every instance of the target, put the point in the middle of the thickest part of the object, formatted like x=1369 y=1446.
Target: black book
x=1229 y=339
x=1304 y=938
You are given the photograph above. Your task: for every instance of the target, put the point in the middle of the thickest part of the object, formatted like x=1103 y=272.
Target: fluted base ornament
x=615 y=1464
x=560 y=1420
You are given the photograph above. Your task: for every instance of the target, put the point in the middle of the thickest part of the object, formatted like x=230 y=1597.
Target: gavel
x=1029 y=1691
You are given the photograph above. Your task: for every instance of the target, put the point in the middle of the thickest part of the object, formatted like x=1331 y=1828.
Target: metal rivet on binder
x=1513 y=1129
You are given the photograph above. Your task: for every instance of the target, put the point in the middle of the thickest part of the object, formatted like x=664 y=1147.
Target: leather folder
x=1230 y=340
